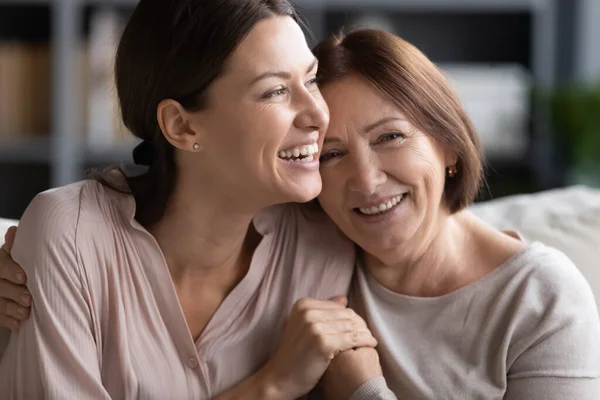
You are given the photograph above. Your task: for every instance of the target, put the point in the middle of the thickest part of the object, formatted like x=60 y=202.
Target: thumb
x=343 y=300
x=9 y=239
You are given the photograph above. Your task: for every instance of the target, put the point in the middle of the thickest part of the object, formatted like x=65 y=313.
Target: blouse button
x=192 y=362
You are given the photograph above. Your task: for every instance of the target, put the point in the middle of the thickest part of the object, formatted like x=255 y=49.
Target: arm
x=355 y=375
x=54 y=354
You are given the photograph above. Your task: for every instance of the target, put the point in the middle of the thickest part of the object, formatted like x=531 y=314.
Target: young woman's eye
x=330 y=155
x=275 y=93
x=389 y=137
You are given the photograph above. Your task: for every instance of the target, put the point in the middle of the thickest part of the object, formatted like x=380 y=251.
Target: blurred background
x=527 y=71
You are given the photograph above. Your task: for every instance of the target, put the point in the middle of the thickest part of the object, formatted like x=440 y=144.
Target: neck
x=204 y=235
x=432 y=264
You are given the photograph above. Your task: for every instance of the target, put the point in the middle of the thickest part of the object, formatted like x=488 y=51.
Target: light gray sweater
x=528 y=330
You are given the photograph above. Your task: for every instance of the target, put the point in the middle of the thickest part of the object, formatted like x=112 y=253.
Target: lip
x=377 y=202
x=304 y=166
x=300 y=144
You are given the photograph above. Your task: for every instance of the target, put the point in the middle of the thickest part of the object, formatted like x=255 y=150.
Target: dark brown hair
x=175 y=49
x=406 y=77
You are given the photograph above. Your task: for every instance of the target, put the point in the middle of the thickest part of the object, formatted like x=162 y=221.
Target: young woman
x=177 y=282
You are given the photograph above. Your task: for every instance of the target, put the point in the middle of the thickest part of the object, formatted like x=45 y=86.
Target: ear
x=175 y=124
x=450 y=158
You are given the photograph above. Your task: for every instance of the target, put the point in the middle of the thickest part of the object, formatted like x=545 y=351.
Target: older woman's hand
x=348 y=371
x=15 y=300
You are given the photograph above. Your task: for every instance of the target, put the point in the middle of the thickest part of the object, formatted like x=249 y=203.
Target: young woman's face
x=383 y=178
x=266 y=118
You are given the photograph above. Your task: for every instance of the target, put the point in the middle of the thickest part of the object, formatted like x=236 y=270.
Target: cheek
x=332 y=195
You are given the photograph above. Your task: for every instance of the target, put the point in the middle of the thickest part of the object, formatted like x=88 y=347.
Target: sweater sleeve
x=54 y=355
x=374 y=389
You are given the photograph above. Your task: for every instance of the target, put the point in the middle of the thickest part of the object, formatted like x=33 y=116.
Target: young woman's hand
x=315 y=333
x=15 y=300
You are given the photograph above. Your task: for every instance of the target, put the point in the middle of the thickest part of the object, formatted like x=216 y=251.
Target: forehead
x=354 y=103
x=273 y=43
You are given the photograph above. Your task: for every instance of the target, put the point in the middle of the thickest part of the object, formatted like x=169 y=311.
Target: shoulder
x=53 y=218
x=61 y=208
x=554 y=313
x=548 y=274
x=307 y=223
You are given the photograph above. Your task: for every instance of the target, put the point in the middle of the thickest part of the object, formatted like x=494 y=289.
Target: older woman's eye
x=312 y=82
x=329 y=156
x=388 y=137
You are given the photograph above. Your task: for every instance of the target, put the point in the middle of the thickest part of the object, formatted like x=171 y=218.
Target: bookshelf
x=61 y=156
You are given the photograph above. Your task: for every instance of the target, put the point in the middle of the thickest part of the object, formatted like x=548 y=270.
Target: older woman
x=460 y=310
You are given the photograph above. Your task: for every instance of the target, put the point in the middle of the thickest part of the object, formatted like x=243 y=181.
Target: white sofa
x=568 y=219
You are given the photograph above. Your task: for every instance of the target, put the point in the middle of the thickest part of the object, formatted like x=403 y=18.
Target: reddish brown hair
x=406 y=77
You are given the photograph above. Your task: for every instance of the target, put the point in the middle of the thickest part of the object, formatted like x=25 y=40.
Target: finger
x=8 y=322
x=350 y=340
x=306 y=304
x=339 y=326
x=10 y=271
x=9 y=239
x=11 y=309
x=17 y=293
x=343 y=300
x=314 y=316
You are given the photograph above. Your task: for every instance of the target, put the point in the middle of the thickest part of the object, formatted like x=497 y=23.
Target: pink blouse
x=106 y=321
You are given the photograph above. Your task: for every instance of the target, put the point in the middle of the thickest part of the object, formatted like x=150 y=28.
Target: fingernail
x=20 y=277
x=26 y=299
x=21 y=311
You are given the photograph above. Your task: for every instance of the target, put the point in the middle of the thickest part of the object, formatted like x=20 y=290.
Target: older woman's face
x=383 y=179
x=266 y=118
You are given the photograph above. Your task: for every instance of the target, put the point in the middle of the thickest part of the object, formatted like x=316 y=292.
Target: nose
x=366 y=171
x=313 y=112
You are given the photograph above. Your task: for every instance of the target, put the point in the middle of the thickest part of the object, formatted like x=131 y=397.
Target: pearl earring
x=196 y=146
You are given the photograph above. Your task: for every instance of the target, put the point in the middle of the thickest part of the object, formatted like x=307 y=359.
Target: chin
x=305 y=190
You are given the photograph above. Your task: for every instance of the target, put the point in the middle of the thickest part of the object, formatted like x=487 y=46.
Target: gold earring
x=196 y=146
x=452 y=171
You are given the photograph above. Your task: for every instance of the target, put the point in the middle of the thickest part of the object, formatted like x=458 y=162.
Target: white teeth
x=306 y=159
x=304 y=151
x=383 y=207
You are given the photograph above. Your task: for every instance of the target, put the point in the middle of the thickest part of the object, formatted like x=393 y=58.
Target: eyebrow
x=370 y=127
x=281 y=74
x=366 y=129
